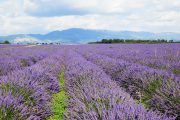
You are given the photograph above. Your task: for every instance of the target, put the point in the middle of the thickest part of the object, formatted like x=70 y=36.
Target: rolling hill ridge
x=79 y=36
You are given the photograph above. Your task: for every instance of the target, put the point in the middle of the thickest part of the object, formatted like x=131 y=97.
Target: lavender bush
x=93 y=95
x=155 y=88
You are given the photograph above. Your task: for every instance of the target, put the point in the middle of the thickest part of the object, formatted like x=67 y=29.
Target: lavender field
x=90 y=82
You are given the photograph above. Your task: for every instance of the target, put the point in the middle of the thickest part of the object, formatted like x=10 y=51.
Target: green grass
x=149 y=92
x=176 y=71
x=59 y=102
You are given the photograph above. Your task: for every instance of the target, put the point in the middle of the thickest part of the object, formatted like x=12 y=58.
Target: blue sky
x=42 y=16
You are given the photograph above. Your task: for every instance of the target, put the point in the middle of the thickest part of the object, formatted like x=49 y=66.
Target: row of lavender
x=154 y=88
x=6 y=46
x=27 y=93
x=158 y=56
x=18 y=57
x=94 y=96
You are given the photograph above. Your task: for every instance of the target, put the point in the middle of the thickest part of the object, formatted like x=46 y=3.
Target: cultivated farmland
x=90 y=82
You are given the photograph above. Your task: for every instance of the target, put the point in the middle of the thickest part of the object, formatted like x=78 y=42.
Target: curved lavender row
x=168 y=61
x=34 y=85
x=158 y=56
x=21 y=57
x=93 y=95
x=136 y=79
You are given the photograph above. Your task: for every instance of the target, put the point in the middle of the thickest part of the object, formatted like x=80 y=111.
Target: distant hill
x=78 y=36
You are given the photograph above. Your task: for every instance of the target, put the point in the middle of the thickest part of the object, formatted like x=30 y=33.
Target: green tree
x=6 y=42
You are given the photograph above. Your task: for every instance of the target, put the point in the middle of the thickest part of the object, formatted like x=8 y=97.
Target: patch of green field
x=59 y=102
x=149 y=92
x=176 y=71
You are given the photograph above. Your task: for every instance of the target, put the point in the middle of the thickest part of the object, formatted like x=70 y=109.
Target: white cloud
x=11 y=8
x=71 y=7
x=41 y=16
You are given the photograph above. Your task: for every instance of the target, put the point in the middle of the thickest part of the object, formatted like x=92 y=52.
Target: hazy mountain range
x=78 y=36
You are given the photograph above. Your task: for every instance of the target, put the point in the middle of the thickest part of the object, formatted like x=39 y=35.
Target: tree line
x=110 y=41
x=5 y=42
